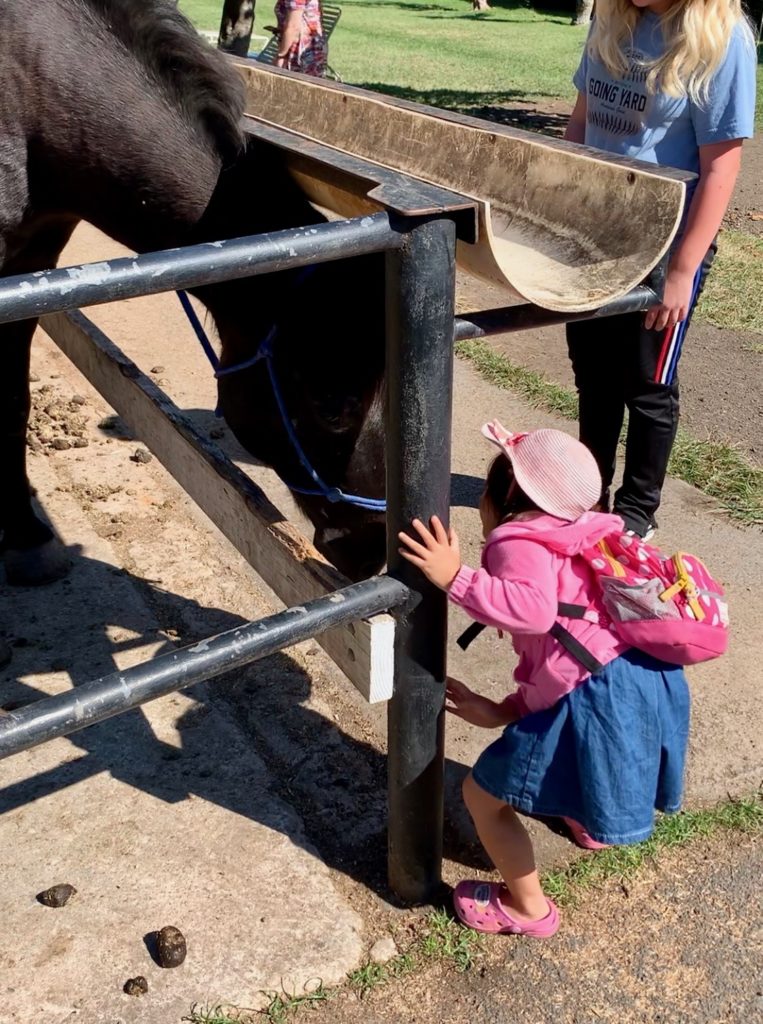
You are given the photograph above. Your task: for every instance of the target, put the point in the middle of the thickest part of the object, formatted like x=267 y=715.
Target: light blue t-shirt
x=624 y=118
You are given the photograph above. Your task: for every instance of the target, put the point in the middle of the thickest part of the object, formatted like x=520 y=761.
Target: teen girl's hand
x=676 y=301
x=474 y=708
x=436 y=552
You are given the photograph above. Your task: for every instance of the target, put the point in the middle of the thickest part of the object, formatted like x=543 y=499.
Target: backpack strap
x=470 y=634
x=557 y=631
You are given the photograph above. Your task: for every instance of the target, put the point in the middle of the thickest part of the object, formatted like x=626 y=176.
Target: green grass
x=446 y=939
x=283 y=1004
x=217 y=1015
x=443 y=53
x=621 y=863
x=733 y=296
x=712 y=466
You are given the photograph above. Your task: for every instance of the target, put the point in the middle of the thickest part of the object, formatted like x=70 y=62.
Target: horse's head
x=318 y=399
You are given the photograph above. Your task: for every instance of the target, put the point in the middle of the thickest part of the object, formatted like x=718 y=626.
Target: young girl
x=671 y=82
x=601 y=750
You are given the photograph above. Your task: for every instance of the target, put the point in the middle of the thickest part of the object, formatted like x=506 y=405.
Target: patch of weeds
x=284 y=1004
x=446 y=939
x=712 y=466
x=401 y=965
x=220 y=1014
x=733 y=295
x=367 y=977
x=622 y=863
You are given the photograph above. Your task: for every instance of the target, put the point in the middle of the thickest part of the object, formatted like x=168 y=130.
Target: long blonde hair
x=697 y=34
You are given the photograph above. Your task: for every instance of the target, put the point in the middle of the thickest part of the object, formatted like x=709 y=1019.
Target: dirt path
x=686 y=948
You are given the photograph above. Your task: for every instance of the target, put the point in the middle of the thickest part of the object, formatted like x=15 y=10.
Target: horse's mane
x=195 y=75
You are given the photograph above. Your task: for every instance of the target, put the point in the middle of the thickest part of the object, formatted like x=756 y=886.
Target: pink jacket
x=526 y=571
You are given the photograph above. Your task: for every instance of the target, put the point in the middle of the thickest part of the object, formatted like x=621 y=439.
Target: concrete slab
x=166 y=815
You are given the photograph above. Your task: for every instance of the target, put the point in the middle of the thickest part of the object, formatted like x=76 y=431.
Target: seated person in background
x=301 y=43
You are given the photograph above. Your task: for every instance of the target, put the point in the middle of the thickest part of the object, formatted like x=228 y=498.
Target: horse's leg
x=31 y=553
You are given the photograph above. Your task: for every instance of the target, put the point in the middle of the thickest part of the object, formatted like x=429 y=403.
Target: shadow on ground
x=335 y=782
x=511 y=107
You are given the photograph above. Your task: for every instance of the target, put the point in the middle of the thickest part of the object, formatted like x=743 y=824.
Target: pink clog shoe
x=478 y=905
x=582 y=838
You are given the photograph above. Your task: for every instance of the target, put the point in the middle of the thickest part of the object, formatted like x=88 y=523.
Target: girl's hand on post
x=676 y=301
x=436 y=552
x=474 y=708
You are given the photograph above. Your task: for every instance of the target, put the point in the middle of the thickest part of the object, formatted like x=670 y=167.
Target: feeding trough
x=560 y=225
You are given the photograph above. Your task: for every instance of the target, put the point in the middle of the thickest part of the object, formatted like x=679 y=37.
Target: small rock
x=141 y=455
x=136 y=986
x=383 y=950
x=78 y=400
x=170 y=946
x=57 y=895
x=60 y=444
x=81 y=442
x=156 y=369
x=33 y=378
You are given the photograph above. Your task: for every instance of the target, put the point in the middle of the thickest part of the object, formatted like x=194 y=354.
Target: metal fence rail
x=486 y=322
x=118 y=692
x=31 y=295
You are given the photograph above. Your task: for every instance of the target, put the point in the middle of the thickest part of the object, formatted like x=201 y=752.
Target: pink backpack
x=669 y=607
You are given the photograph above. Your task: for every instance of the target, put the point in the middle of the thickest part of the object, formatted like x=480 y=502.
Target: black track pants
x=618 y=364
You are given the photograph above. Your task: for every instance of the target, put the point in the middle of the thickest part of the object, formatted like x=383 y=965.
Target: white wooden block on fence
x=279 y=553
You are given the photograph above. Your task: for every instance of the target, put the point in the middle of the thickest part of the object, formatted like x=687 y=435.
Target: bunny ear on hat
x=498 y=435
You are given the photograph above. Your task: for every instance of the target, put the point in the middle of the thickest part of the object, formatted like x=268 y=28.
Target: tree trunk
x=480 y=5
x=583 y=12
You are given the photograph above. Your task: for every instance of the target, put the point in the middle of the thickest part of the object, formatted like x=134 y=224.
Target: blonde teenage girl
x=671 y=82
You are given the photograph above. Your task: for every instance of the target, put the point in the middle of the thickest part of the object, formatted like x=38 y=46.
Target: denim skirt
x=607 y=754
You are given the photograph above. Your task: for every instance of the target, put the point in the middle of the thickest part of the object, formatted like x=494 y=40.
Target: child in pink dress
x=599 y=747
x=301 y=43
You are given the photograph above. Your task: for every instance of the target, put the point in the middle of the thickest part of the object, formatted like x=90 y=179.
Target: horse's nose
x=358 y=552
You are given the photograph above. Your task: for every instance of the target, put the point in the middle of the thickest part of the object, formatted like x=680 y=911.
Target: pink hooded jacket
x=526 y=571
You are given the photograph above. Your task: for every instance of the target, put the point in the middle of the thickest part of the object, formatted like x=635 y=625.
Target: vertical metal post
x=236 y=27
x=420 y=309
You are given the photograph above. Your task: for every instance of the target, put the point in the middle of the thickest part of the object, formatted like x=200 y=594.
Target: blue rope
x=265 y=351
x=201 y=334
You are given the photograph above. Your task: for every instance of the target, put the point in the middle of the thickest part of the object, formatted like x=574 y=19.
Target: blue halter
x=265 y=352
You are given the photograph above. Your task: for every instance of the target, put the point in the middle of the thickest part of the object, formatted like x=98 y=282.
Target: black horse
x=117 y=113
